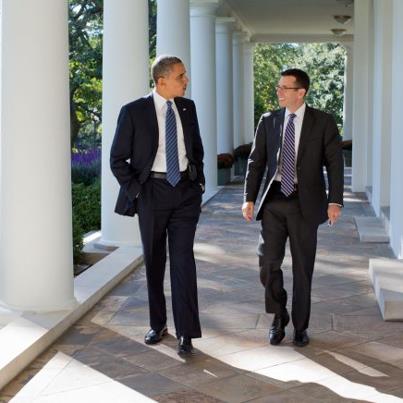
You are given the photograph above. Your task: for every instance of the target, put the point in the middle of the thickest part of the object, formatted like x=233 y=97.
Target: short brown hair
x=301 y=78
x=162 y=66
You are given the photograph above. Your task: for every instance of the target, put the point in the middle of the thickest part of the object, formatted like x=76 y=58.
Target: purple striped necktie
x=288 y=158
x=171 y=146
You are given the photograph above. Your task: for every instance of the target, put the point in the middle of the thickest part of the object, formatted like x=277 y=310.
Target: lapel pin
x=184 y=109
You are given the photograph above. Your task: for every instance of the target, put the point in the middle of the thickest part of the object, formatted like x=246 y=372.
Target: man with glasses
x=293 y=144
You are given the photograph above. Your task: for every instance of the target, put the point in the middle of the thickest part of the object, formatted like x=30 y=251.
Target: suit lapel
x=183 y=114
x=275 y=135
x=306 y=130
x=152 y=119
x=278 y=123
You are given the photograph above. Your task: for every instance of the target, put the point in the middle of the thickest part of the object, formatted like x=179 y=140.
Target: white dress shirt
x=300 y=112
x=159 y=164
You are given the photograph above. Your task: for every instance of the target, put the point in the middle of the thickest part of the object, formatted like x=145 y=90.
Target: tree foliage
x=269 y=61
x=152 y=27
x=324 y=62
x=85 y=37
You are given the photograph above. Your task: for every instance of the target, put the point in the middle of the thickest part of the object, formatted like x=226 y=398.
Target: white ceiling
x=293 y=20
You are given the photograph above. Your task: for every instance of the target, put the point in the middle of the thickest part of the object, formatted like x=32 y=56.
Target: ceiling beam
x=299 y=38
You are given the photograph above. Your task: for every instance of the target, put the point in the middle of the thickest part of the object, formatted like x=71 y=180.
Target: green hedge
x=86 y=212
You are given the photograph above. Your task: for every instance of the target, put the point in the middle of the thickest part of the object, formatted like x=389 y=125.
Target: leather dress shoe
x=155 y=336
x=277 y=332
x=185 y=345
x=301 y=339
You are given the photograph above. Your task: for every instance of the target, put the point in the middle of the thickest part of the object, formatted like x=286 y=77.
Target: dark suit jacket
x=136 y=142
x=319 y=146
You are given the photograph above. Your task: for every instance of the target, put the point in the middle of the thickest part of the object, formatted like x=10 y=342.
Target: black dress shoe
x=155 y=336
x=301 y=339
x=185 y=345
x=277 y=332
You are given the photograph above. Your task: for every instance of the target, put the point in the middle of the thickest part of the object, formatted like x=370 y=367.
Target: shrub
x=243 y=151
x=86 y=166
x=225 y=160
x=86 y=212
x=78 y=234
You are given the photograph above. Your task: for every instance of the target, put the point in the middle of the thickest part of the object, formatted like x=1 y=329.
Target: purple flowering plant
x=86 y=165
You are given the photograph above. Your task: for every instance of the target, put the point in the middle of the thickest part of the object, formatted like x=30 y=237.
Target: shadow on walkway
x=353 y=355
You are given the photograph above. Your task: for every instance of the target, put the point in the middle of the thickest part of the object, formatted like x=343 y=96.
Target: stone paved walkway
x=353 y=355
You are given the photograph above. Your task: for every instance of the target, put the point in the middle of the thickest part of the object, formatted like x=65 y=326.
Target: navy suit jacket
x=319 y=147
x=135 y=146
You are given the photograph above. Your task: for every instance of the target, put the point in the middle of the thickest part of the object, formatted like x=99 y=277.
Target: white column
x=362 y=95
x=382 y=102
x=248 y=92
x=125 y=78
x=225 y=115
x=348 y=94
x=173 y=30
x=202 y=28
x=238 y=87
x=396 y=187
x=36 y=258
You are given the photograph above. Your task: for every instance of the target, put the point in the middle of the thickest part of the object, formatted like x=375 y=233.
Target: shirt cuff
x=336 y=204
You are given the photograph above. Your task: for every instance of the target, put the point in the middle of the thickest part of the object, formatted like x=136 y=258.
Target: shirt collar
x=159 y=101
x=299 y=112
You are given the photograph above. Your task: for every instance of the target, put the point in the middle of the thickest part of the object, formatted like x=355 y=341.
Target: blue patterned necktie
x=288 y=158
x=171 y=146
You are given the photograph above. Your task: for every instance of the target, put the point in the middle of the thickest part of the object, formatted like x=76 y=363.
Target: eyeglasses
x=281 y=88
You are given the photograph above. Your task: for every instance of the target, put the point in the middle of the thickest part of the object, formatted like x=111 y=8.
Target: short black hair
x=301 y=78
x=162 y=66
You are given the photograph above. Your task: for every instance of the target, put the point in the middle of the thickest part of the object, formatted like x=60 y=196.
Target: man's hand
x=333 y=212
x=247 y=210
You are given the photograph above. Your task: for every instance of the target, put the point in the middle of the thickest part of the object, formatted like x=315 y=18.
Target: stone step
x=371 y=229
x=387 y=279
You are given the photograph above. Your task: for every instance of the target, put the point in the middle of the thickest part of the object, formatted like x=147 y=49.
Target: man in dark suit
x=157 y=157
x=293 y=144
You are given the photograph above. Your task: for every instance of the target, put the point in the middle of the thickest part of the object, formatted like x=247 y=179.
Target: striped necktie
x=171 y=146
x=288 y=158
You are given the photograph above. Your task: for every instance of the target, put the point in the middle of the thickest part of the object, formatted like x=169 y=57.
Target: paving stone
x=152 y=360
x=200 y=372
x=239 y=388
x=152 y=384
x=118 y=368
x=118 y=345
x=186 y=396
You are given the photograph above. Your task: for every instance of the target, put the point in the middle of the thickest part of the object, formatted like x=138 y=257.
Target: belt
x=163 y=175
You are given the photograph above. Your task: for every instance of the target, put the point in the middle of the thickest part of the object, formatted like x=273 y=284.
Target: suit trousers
x=282 y=220
x=172 y=213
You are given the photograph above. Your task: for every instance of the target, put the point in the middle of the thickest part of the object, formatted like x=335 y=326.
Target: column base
x=209 y=194
x=111 y=245
x=18 y=310
x=387 y=279
x=29 y=334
